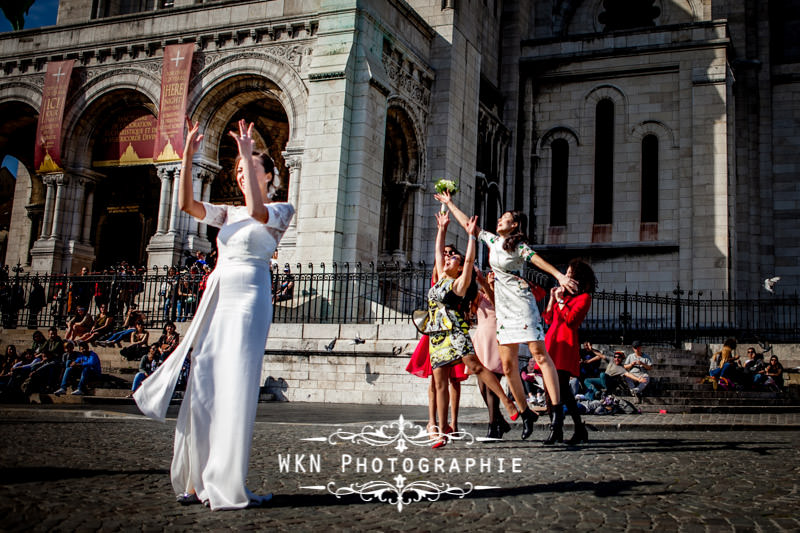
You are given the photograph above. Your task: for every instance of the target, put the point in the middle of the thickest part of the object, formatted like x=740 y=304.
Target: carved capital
x=168 y=171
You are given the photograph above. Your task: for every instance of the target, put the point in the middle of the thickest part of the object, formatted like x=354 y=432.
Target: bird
x=396 y=350
x=769 y=283
x=357 y=340
x=330 y=345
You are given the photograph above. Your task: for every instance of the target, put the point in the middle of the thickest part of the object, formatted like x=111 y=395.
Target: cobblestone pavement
x=80 y=470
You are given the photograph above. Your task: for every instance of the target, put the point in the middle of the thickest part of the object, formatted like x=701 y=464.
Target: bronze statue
x=15 y=11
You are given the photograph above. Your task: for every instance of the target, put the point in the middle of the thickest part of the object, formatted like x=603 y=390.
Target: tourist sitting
x=128 y=327
x=774 y=371
x=638 y=364
x=611 y=378
x=54 y=343
x=138 y=346
x=79 y=324
x=169 y=340
x=87 y=364
x=44 y=375
x=37 y=346
x=286 y=289
x=8 y=359
x=101 y=327
x=69 y=354
x=147 y=366
x=753 y=372
x=591 y=359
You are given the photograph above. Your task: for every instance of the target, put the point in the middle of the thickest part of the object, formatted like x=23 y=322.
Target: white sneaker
x=78 y=392
x=60 y=392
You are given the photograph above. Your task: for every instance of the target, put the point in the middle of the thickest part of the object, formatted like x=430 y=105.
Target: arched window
x=559 y=172
x=604 y=162
x=650 y=179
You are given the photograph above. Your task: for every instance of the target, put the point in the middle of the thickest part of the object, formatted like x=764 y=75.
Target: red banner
x=127 y=140
x=172 y=109
x=47 y=154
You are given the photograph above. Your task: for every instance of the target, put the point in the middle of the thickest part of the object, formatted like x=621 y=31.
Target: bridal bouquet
x=445 y=185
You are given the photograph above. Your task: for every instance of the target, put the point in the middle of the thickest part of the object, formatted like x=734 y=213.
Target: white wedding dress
x=226 y=339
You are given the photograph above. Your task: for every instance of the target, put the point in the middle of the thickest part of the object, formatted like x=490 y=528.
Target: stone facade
x=656 y=138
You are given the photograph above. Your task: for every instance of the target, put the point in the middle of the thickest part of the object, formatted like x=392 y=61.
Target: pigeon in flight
x=330 y=345
x=357 y=340
x=769 y=283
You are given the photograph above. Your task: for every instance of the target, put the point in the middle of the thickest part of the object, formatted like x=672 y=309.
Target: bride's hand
x=244 y=139
x=193 y=138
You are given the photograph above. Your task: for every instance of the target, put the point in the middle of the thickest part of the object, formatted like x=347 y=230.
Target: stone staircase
x=675 y=387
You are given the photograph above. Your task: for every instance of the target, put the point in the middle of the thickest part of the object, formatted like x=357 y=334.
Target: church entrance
x=125 y=210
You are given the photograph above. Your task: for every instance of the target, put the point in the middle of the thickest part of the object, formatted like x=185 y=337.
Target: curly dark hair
x=518 y=235
x=584 y=275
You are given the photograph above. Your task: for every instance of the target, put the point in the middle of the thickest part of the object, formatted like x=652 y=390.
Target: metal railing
x=388 y=293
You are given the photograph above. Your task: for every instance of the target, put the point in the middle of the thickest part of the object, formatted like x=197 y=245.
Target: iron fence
x=388 y=293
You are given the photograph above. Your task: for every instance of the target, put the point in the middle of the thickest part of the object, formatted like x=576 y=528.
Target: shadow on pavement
x=38 y=474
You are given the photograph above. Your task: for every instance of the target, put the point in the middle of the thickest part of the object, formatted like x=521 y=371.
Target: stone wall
x=298 y=368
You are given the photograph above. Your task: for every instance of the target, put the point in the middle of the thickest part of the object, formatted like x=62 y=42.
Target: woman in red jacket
x=565 y=313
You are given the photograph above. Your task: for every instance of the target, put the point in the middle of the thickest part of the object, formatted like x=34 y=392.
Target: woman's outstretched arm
x=442 y=220
x=186 y=201
x=252 y=193
x=568 y=283
x=461 y=284
x=461 y=217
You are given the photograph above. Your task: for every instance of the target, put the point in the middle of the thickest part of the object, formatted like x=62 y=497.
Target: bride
x=226 y=338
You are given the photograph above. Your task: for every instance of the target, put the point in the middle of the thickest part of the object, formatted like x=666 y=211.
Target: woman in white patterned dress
x=518 y=318
x=214 y=430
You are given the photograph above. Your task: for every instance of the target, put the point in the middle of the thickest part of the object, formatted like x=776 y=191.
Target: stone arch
x=288 y=88
x=657 y=128
x=557 y=132
x=20 y=91
x=93 y=99
x=593 y=97
x=402 y=180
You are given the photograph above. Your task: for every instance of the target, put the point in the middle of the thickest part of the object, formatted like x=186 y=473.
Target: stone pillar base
x=196 y=242
x=76 y=256
x=165 y=249
x=47 y=256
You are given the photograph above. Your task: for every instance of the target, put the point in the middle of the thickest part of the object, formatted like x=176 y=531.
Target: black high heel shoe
x=581 y=435
x=556 y=426
x=493 y=432
x=503 y=427
x=528 y=421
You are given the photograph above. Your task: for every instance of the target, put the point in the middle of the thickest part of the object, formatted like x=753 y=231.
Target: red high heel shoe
x=443 y=438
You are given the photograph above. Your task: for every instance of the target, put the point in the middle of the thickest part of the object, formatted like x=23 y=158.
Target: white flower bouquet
x=443 y=185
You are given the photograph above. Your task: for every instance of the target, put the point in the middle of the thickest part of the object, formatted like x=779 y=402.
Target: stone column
x=203 y=174
x=62 y=182
x=87 y=216
x=294 y=162
x=50 y=182
x=164 y=172
x=173 y=218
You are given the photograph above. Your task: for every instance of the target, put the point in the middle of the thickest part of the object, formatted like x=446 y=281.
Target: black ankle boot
x=503 y=427
x=528 y=421
x=581 y=434
x=556 y=425
x=493 y=432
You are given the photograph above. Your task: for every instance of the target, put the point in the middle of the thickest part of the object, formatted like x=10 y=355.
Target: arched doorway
x=401 y=166
x=22 y=194
x=252 y=98
x=125 y=201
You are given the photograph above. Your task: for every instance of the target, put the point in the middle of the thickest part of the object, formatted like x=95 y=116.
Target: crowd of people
x=728 y=371
x=53 y=364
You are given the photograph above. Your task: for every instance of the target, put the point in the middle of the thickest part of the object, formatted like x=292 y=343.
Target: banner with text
x=47 y=153
x=172 y=110
x=127 y=140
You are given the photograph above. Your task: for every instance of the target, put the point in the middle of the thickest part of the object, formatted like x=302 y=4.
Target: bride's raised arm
x=186 y=201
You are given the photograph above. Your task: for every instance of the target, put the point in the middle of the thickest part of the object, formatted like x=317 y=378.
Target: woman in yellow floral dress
x=448 y=331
